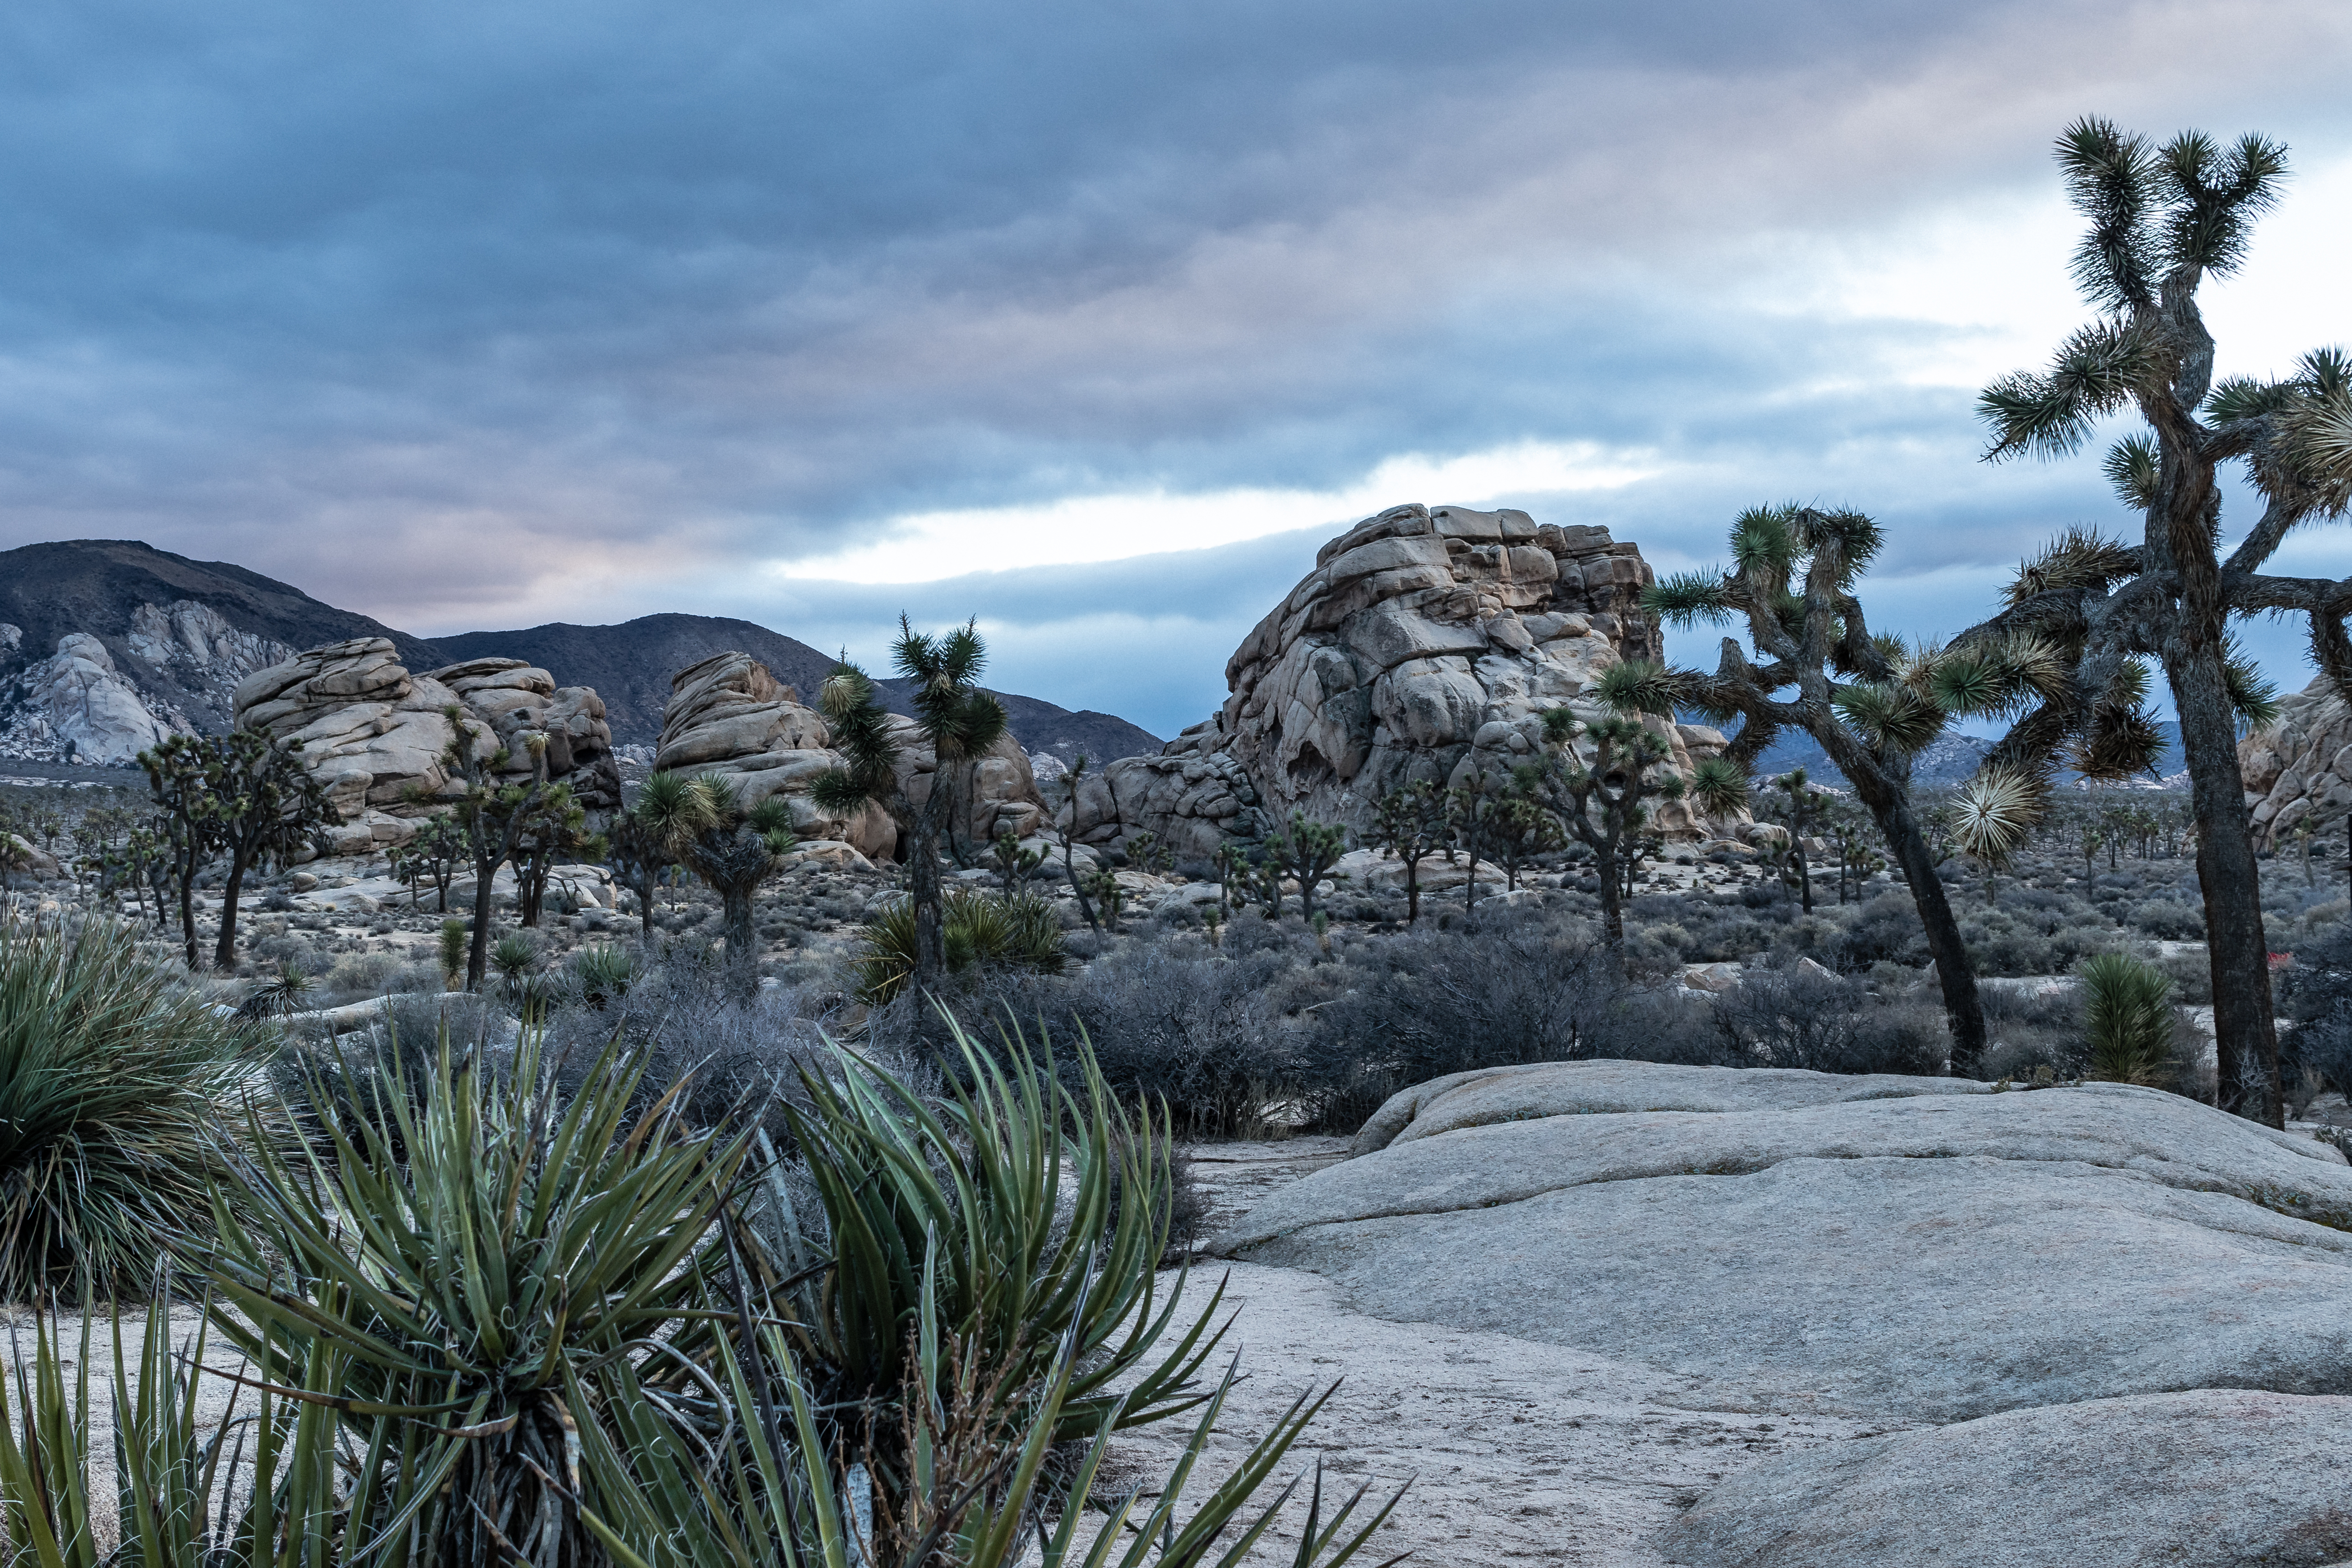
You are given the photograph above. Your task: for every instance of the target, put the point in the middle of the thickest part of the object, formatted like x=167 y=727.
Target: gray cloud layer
x=470 y=315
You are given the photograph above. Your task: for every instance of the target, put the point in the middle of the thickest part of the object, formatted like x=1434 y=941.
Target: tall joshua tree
x=2162 y=219
x=498 y=818
x=242 y=795
x=951 y=712
x=1791 y=583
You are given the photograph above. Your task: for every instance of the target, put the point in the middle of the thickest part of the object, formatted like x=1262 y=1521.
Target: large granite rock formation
x=378 y=737
x=729 y=714
x=2122 y=1309
x=1424 y=644
x=2301 y=766
x=76 y=706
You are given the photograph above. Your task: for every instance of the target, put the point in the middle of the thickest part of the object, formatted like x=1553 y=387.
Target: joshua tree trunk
x=923 y=888
x=1889 y=804
x=2245 y=1037
x=1612 y=898
x=478 y=951
x=225 y=950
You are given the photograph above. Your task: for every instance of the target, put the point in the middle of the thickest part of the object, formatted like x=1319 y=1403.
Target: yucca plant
x=981 y=929
x=112 y=1076
x=453 y=1311
x=2127 y=1019
x=983 y=1276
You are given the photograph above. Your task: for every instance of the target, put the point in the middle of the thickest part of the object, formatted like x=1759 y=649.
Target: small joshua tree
x=637 y=855
x=1470 y=808
x=1603 y=804
x=959 y=719
x=702 y=824
x=1800 y=808
x=1065 y=822
x=1014 y=864
x=1305 y=851
x=1410 y=823
x=498 y=818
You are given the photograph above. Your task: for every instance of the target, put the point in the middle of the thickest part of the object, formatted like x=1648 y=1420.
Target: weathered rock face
x=1913 y=1248
x=377 y=737
x=77 y=706
x=729 y=714
x=1425 y=644
x=518 y=700
x=2222 y=1478
x=2301 y=766
x=1194 y=796
x=201 y=654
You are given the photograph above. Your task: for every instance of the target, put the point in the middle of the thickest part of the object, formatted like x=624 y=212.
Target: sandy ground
x=1519 y=1453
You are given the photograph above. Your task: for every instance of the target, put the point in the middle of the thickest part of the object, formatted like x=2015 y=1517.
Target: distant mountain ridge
x=1949 y=760
x=630 y=666
x=107 y=645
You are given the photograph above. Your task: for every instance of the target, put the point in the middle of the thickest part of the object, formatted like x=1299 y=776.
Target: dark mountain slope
x=93 y=586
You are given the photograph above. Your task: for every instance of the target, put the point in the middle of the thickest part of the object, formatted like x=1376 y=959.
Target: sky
x=1090 y=321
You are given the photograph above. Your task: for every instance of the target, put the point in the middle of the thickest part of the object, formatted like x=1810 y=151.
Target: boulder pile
x=729 y=715
x=2300 y=767
x=1426 y=644
x=377 y=737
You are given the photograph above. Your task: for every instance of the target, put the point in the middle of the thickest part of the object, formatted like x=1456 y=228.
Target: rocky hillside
x=107 y=645
x=630 y=665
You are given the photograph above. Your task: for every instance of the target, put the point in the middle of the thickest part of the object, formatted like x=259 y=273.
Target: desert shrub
x=2315 y=992
x=2191 y=973
x=1885 y=929
x=1205 y=1031
x=113 y=1075
x=2169 y=920
x=2033 y=1031
x=981 y=929
x=1802 y=1016
x=2126 y=1020
x=1524 y=987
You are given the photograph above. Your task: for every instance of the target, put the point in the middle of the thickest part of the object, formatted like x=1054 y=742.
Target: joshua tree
x=1410 y=823
x=497 y=818
x=1470 y=808
x=1066 y=820
x=1305 y=851
x=951 y=712
x=240 y=795
x=1792 y=584
x=703 y=824
x=1602 y=804
x=436 y=852
x=2161 y=221
x=1801 y=804
x=1015 y=865
x=634 y=854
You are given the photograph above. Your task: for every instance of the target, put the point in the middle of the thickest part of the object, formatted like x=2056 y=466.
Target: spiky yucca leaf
x=114 y=1079
x=1685 y=598
x=2253 y=695
x=981 y=928
x=1718 y=785
x=1853 y=536
x=2133 y=471
x=1994 y=812
x=1888 y=716
x=2096 y=371
x=1639 y=686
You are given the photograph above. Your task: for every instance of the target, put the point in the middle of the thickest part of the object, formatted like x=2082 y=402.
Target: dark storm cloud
x=468 y=315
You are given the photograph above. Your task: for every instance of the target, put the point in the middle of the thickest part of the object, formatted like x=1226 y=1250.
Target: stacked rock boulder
x=2300 y=767
x=730 y=715
x=378 y=737
x=1426 y=644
